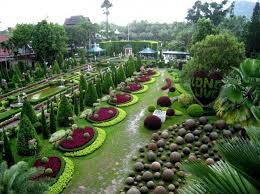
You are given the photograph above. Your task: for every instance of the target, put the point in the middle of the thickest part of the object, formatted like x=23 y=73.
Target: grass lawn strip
x=120 y=117
x=94 y=146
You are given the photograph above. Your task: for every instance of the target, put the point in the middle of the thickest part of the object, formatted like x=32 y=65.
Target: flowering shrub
x=168 y=84
x=150 y=82
x=53 y=163
x=101 y=136
x=64 y=178
x=120 y=117
x=78 y=140
x=132 y=87
x=103 y=114
x=164 y=101
x=152 y=122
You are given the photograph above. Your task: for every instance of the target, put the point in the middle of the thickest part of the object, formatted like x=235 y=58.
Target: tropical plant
x=239 y=100
x=18 y=179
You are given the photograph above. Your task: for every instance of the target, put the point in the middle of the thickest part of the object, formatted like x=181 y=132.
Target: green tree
x=27 y=139
x=64 y=112
x=91 y=95
x=217 y=52
x=114 y=73
x=130 y=67
x=203 y=28
x=83 y=83
x=53 y=124
x=76 y=105
x=253 y=38
x=39 y=71
x=214 y=11
x=121 y=75
x=98 y=87
x=82 y=56
x=18 y=179
x=107 y=83
x=29 y=111
x=7 y=154
x=55 y=68
x=16 y=80
x=48 y=41
x=81 y=101
x=45 y=129
x=139 y=63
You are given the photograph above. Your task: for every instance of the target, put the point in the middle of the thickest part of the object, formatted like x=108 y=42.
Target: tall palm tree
x=106 y=5
x=18 y=179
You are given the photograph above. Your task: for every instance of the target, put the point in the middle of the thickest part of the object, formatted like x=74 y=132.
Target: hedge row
x=94 y=146
x=120 y=117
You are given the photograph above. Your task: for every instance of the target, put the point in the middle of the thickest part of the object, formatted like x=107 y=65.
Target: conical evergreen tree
x=29 y=111
x=81 y=101
x=121 y=75
x=7 y=154
x=56 y=68
x=253 y=38
x=83 y=83
x=138 y=64
x=53 y=124
x=91 y=95
x=64 y=112
x=107 y=83
x=45 y=129
x=99 y=88
x=76 y=105
x=25 y=136
x=114 y=74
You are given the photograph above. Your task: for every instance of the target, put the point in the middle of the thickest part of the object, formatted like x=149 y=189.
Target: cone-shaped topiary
x=107 y=83
x=164 y=101
x=152 y=122
x=121 y=75
x=64 y=112
x=130 y=67
x=45 y=129
x=7 y=154
x=76 y=104
x=28 y=111
x=91 y=95
x=27 y=139
x=81 y=101
x=114 y=73
x=53 y=124
x=56 y=68
x=99 y=87
x=83 y=83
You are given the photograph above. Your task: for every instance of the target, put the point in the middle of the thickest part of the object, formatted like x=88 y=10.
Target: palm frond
x=244 y=155
x=219 y=178
x=253 y=133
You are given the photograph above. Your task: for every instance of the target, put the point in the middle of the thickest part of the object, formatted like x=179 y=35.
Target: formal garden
x=133 y=123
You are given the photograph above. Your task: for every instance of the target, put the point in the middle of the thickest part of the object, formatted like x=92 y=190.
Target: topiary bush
x=151 y=108
x=172 y=89
x=185 y=99
x=64 y=112
x=195 y=110
x=152 y=122
x=170 y=112
x=164 y=101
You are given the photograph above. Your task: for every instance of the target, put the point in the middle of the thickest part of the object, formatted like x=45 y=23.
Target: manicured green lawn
x=7 y=114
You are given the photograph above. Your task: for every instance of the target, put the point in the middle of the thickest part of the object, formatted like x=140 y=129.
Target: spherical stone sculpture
x=189 y=138
x=167 y=175
x=156 y=166
x=160 y=190
x=147 y=176
x=175 y=157
x=139 y=166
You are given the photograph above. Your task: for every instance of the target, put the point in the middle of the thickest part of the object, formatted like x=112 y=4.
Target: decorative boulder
x=139 y=166
x=190 y=124
x=164 y=101
x=147 y=176
x=160 y=190
x=152 y=122
x=175 y=157
x=208 y=127
x=133 y=190
x=220 y=124
x=180 y=140
x=167 y=175
x=189 y=137
x=156 y=166
x=203 y=120
x=151 y=156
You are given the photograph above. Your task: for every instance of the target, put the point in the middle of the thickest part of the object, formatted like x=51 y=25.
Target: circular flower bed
x=103 y=114
x=133 y=87
x=143 y=78
x=54 y=163
x=80 y=138
x=150 y=72
x=120 y=98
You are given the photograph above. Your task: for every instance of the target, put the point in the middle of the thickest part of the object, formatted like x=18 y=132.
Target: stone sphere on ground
x=173 y=147
x=150 y=184
x=213 y=135
x=189 y=138
x=175 y=157
x=180 y=140
x=237 y=127
x=139 y=166
x=208 y=128
x=160 y=190
x=152 y=146
x=165 y=134
x=171 y=187
x=144 y=189
x=205 y=139
x=204 y=148
x=155 y=136
x=220 y=124
x=133 y=190
x=130 y=180
x=186 y=150
x=203 y=120
x=167 y=175
x=151 y=156
x=227 y=133
x=190 y=124
x=182 y=132
x=156 y=166
x=210 y=161
x=147 y=176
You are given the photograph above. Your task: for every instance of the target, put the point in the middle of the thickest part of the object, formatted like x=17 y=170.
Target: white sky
x=122 y=12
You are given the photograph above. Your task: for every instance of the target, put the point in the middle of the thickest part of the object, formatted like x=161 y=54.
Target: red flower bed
x=150 y=72
x=78 y=139
x=54 y=163
x=143 y=78
x=168 y=84
x=104 y=114
x=132 y=87
x=121 y=99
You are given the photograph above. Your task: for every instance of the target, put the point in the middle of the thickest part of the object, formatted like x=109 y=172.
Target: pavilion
x=148 y=53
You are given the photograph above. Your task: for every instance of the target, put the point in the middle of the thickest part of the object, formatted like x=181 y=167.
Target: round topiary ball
x=175 y=157
x=170 y=112
x=167 y=175
x=160 y=190
x=139 y=166
x=147 y=176
x=164 y=101
x=151 y=108
x=195 y=110
x=48 y=171
x=44 y=160
x=189 y=138
x=152 y=122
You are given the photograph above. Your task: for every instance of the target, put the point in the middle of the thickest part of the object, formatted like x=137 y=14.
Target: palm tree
x=106 y=5
x=18 y=179
x=240 y=173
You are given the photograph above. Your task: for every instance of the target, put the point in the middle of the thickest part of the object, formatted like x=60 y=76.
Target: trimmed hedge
x=195 y=110
x=133 y=101
x=150 y=81
x=145 y=88
x=120 y=117
x=64 y=178
x=94 y=146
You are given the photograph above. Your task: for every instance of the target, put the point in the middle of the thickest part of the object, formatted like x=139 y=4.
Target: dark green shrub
x=38 y=127
x=53 y=124
x=151 y=108
x=29 y=111
x=107 y=83
x=25 y=138
x=7 y=154
x=91 y=95
x=121 y=75
x=55 y=68
x=11 y=99
x=83 y=83
x=195 y=110
x=45 y=129
x=64 y=112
